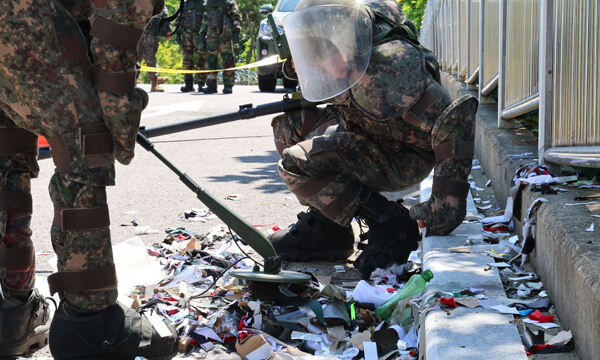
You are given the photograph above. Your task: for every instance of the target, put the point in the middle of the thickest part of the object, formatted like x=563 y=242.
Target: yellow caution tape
x=271 y=60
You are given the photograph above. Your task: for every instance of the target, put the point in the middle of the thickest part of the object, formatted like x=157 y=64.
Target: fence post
x=546 y=77
x=502 y=65
x=482 y=98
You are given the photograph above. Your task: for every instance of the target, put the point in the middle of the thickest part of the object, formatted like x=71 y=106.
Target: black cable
x=217 y=278
x=233 y=236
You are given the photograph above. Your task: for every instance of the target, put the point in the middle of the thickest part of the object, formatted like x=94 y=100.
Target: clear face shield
x=330 y=46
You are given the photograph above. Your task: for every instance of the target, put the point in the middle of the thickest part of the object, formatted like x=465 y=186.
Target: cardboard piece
x=254 y=347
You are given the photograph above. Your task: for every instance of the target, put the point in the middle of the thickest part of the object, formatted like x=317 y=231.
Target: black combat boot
x=116 y=333
x=200 y=86
x=189 y=83
x=211 y=87
x=392 y=234
x=23 y=324
x=314 y=237
x=228 y=89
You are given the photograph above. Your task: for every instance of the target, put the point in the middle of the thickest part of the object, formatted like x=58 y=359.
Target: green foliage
x=530 y=121
x=169 y=52
x=414 y=10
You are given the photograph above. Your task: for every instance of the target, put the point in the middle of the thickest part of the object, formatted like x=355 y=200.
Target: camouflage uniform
x=148 y=45
x=222 y=19
x=194 y=43
x=78 y=119
x=384 y=133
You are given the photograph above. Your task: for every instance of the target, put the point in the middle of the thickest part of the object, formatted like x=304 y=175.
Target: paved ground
x=233 y=158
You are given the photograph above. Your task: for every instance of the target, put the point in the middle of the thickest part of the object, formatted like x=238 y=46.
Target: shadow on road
x=266 y=173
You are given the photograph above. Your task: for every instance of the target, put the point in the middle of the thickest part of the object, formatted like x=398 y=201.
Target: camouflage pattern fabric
x=194 y=43
x=148 y=45
x=383 y=137
x=16 y=173
x=121 y=113
x=222 y=19
x=42 y=48
x=444 y=211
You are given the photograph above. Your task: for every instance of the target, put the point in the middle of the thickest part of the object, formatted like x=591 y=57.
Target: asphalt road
x=232 y=158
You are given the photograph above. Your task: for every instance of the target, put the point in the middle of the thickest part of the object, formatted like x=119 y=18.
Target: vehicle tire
x=267 y=83
x=289 y=84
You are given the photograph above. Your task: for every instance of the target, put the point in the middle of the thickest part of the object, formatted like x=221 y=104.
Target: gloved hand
x=236 y=37
x=440 y=214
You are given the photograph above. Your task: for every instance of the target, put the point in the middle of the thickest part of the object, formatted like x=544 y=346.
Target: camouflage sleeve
x=236 y=17
x=117 y=26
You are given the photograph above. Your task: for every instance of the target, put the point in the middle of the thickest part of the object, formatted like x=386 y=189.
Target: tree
x=414 y=10
x=251 y=18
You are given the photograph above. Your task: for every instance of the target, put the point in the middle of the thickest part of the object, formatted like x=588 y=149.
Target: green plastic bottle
x=415 y=285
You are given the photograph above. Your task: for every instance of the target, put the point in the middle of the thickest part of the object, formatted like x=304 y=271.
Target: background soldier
x=222 y=19
x=90 y=114
x=391 y=122
x=148 y=46
x=193 y=42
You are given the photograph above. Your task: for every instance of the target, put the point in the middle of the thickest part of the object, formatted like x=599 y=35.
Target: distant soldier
x=193 y=42
x=148 y=46
x=222 y=19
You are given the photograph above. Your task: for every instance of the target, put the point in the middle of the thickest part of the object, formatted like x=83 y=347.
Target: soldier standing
x=391 y=122
x=222 y=19
x=148 y=46
x=89 y=113
x=193 y=42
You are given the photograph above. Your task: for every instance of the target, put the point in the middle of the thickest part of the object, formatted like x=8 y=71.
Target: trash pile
x=217 y=315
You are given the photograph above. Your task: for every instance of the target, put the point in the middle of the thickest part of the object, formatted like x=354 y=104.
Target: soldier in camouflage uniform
x=193 y=42
x=148 y=46
x=89 y=113
x=390 y=123
x=222 y=20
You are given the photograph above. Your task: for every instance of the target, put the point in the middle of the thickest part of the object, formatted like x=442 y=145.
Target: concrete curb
x=465 y=334
x=566 y=257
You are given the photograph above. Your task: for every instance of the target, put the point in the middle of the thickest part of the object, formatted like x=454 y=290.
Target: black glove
x=236 y=37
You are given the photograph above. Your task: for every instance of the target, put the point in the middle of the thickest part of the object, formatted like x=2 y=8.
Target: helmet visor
x=330 y=46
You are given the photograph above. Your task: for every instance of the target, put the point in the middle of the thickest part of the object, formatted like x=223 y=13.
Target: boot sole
x=39 y=340
x=332 y=255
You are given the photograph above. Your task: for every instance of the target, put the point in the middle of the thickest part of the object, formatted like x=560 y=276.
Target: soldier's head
x=330 y=42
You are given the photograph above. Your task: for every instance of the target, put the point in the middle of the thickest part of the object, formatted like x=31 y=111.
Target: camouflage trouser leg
x=202 y=63
x=326 y=168
x=16 y=171
x=188 y=49
x=82 y=249
x=226 y=50
x=212 y=53
x=65 y=106
x=147 y=48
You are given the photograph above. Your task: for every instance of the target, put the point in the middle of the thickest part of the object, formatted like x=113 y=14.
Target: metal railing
x=473 y=40
x=539 y=54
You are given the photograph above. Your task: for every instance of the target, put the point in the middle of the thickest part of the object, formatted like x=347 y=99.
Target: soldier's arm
x=236 y=17
x=117 y=26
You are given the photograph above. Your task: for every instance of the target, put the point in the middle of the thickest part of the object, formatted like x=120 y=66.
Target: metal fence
x=539 y=54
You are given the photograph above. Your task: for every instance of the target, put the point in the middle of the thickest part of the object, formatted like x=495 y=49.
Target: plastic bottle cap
x=427 y=275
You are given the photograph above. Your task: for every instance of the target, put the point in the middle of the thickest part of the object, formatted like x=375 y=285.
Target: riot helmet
x=330 y=42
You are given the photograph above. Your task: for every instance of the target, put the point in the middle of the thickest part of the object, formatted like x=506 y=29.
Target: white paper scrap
x=208 y=333
x=503 y=309
x=370 y=350
x=546 y=325
x=158 y=324
x=582 y=203
x=591 y=228
x=366 y=293
x=499 y=265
